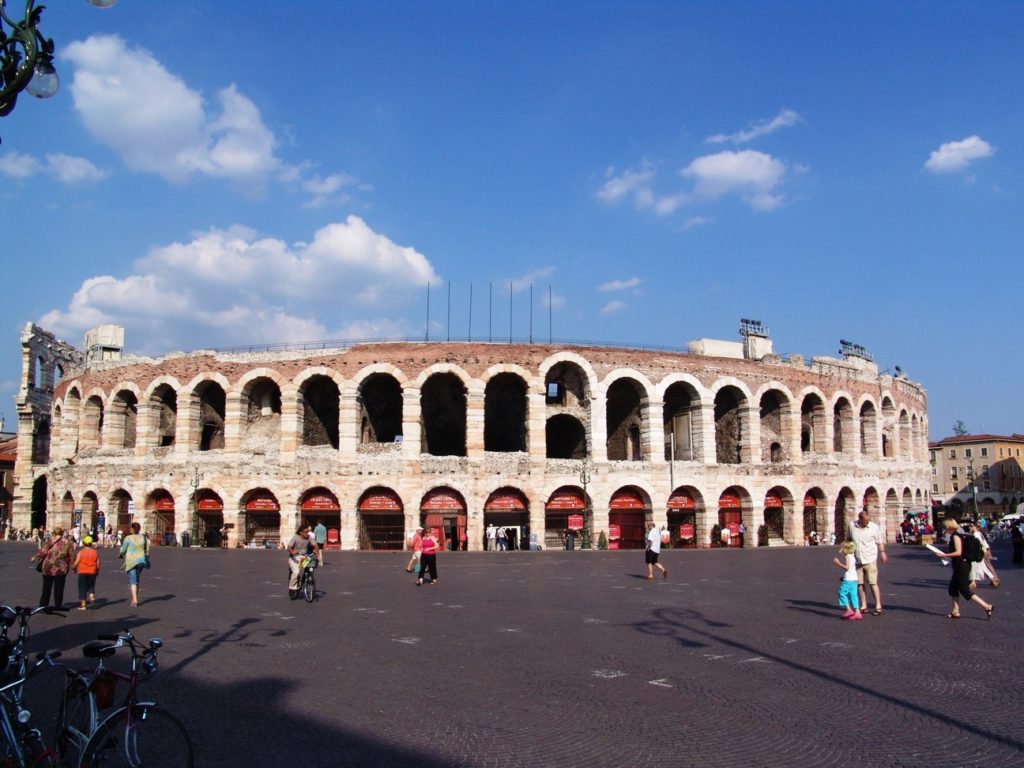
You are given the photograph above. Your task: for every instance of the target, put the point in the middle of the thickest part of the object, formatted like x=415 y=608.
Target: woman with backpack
x=960 y=582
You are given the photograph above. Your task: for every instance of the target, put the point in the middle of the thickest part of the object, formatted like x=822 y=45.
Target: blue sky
x=218 y=174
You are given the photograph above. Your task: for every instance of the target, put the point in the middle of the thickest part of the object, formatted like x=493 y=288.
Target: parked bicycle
x=135 y=733
x=22 y=745
x=307 y=579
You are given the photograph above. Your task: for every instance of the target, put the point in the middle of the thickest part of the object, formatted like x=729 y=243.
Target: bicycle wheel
x=73 y=726
x=309 y=587
x=154 y=737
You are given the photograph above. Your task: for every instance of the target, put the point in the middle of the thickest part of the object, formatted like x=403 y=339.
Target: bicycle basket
x=104 y=687
x=309 y=561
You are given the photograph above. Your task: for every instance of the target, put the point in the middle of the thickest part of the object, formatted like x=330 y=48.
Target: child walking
x=848 y=586
x=87 y=563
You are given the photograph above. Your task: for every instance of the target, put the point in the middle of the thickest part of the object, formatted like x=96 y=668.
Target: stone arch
x=319 y=407
x=775 y=432
x=844 y=424
x=90 y=427
x=845 y=511
x=505 y=413
x=379 y=408
x=163 y=405
x=120 y=510
x=682 y=425
x=158 y=515
x=123 y=418
x=869 y=428
x=905 y=443
x=261 y=409
x=735 y=509
x=731 y=425
x=565 y=437
x=573 y=371
x=815 y=511
x=569 y=384
x=888 y=428
x=779 y=515
x=812 y=424
x=207 y=396
x=627 y=403
x=443 y=412
x=69 y=423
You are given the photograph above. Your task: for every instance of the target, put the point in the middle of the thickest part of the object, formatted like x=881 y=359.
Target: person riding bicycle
x=298 y=548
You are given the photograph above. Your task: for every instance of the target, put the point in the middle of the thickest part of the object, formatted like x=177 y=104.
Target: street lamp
x=974 y=488
x=26 y=57
x=194 y=481
x=585 y=475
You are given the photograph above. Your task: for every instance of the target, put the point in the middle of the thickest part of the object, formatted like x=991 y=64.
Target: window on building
x=935 y=488
x=956 y=487
x=952 y=471
x=984 y=452
x=952 y=453
x=967 y=452
x=1000 y=453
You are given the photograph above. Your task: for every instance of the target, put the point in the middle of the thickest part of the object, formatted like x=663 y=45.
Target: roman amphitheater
x=541 y=439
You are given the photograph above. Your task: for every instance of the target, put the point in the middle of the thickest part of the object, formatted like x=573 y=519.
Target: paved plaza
x=563 y=659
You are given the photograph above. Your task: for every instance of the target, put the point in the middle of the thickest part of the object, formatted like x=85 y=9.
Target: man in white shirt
x=870 y=546
x=491 y=537
x=653 y=550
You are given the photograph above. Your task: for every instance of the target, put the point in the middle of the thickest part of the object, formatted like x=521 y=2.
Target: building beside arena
x=377 y=438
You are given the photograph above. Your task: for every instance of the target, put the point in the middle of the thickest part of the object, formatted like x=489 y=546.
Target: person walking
x=416 y=545
x=135 y=553
x=870 y=547
x=1017 y=539
x=848 y=597
x=320 y=535
x=491 y=537
x=960 y=581
x=87 y=565
x=501 y=535
x=428 y=561
x=54 y=563
x=653 y=551
x=298 y=547
x=984 y=567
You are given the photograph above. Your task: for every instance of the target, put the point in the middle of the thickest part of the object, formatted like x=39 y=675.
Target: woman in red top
x=87 y=563
x=428 y=560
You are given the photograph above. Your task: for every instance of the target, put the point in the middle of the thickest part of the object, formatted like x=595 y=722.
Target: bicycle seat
x=98 y=649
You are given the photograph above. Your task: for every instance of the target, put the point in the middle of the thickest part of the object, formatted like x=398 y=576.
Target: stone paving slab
x=563 y=659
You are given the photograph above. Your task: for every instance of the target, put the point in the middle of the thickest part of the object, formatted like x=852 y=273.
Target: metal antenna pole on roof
x=550 y=338
x=509 y=311
x=426 y=336
x=448 y=319
x=470 y=312
x=490 y=311
x=531 y=313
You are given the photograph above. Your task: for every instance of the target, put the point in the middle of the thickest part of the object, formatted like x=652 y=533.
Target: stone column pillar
x=475 y=420
x=598 y=429
x=750 y=435
x=186 y=426
x=412 y=427
x=704 y=435
x=236 y=414
x=348 y=420
x=536 y=423
x=291 y=425
x=654 y=446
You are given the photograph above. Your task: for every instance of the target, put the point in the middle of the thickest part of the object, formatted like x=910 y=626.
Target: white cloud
x=629 y=182
x=534 y=276
x=784 y=119
x=157 y=124
x=754 y=176
x=73 y=170
x=613 y=307
x=232 y=286
x=957 y=155
x=619 y=285
x=64 y=168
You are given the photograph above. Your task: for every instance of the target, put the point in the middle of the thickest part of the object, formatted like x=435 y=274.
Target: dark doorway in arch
x=444 y=415
x=41 y=442
x=320 y=397
x=380 y=409
x=165 y=400
x=212 y=403
x=624 y=414
x=729 y=425
x=565 y=437
x=210 y=522
x=505 y=414
x=381 y=521
x=39 y=495
x=507 y=508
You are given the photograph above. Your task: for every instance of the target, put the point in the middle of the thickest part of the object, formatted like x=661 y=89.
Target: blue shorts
x=848 y=597
x=134 y=574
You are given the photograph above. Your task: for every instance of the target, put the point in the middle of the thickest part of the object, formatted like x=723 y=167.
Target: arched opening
x=91 y=426
x=443 y=511
x=868 y=429
x=906 y=442
x=682 y=517
x=844 y=514
x=681 y=418
x=319 y=506
x=508 y=510
x=773 y=410
x=262 y=519
x=122 y=510
x=210 y=519
x=39 y=502
x=41 y=440
x=92 y=519
x=164 y=401
x=160 y=516
x=628 y=512
x=211 y=410
x=730 y=517
x=842 y=426
x=124 y=417
x=379 y=410
x=814 y=526
x=320 y=399
x=563 y=518
x=888 y=429
x=729 y=426
x=624 y=408
x=381 y=520
x=443 y=406
x=775 y=514
x=565 y=437
x=505 y=414
x=812 y=425
x=67 y=510
x=261 y=426
x=69 y=428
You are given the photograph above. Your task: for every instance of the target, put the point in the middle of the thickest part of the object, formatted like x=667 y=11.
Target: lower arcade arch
x=381 y=520
x=262 y=514
x=443 y=512
x=507 y=509
x=564 y=517
x=685 y=517
x=210 y=527
x=320 y=506
x=628 y=512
